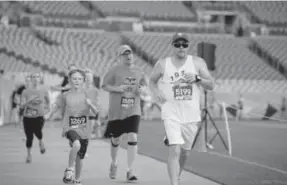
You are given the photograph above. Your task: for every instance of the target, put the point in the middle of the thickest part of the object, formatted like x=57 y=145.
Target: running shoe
x=29 y=159
x=68 y=176
x=131 y=176
x=42 y=148
x=77 y=182
x=113 y=171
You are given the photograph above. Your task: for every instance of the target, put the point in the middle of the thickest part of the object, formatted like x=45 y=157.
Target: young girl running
x=76 y=127
x=33 y=101
x=93 y=94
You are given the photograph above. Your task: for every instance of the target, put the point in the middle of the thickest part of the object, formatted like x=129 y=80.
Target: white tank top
x=183 y=100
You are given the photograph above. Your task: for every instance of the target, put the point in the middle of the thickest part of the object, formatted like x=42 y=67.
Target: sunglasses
x=178 y=45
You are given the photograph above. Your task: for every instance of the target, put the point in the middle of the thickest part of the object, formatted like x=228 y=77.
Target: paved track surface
x=259 y=158
x=48 y=169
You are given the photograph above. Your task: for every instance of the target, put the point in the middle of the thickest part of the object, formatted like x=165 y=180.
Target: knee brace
x=132 y=143
x=114 y=145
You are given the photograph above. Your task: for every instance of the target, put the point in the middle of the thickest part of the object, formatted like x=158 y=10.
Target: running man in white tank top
x=176 y=83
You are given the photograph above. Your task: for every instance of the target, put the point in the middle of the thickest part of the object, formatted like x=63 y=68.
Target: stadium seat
x=60 y=8
x=158 y=10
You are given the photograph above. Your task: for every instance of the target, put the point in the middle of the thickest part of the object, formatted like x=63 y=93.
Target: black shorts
x=21 y=111
x=94 y=117
x=34 y=126
x=14 y=105
x=72 y=136
x=116 y=128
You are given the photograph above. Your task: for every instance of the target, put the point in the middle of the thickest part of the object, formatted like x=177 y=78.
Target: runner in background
x=17 y=113
x=147 y=105
x=33 y=101
x=93 y=94
x=125 y=83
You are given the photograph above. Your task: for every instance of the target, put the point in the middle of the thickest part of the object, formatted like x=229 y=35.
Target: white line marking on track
x=250 y=163
x=264 y=125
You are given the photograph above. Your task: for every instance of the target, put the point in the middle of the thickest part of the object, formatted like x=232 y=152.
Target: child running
x=76 y=128
x=33 y=101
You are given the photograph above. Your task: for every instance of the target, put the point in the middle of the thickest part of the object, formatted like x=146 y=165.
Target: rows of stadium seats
x=9 y=63
x=215 y=5
x=272 y=12
x=276 y=46
x=97 y=44
x=161 y=10
x=70 y=8
x=233 y=58
x=96 y=51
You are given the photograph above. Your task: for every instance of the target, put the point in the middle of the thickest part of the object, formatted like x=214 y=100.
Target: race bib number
x=127 y=102
x=76 y=122
x=182 y=92
x=31 y=112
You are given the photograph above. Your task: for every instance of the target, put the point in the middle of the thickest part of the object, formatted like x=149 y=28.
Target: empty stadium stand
x=215 y=5
x=11 y=64
x=86 y=49
x=155 y=10
x=233 y=58
x=270 y=12
x=276 y=46
x=57 y=8
x=237 y=66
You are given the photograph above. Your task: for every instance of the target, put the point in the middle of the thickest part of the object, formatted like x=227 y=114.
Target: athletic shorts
x=13 y=105
x=180 y=133
x=94 y=117
x=21 y=111
x=116 y=128
x=72 y=136
x=33 y=125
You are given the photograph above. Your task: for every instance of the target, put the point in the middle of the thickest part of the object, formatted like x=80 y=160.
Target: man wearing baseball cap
x=175 y=83
x=125 y=83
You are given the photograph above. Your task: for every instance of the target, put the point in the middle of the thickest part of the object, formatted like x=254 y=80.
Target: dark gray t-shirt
x=123 y=105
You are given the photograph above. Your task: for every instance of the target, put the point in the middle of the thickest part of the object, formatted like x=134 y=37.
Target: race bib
x=127 y=102
x=76 y=122
x=182 y=92
x=31 y=112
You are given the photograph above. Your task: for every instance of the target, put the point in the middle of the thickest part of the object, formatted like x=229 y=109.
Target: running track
x=259 y=157
x=48 y=169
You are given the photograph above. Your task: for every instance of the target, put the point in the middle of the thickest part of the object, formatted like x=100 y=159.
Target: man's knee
x=115 y=142
x=174 y=150
x=132 y=137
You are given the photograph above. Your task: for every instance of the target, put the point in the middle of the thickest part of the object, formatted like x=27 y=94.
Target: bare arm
x=47 y=100
x=207 y=81
x=94 y=108
x=58 y=105
x=23 y=100
x=144 y=85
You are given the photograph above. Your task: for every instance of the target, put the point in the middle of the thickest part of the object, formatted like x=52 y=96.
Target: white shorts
x=180 y=133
